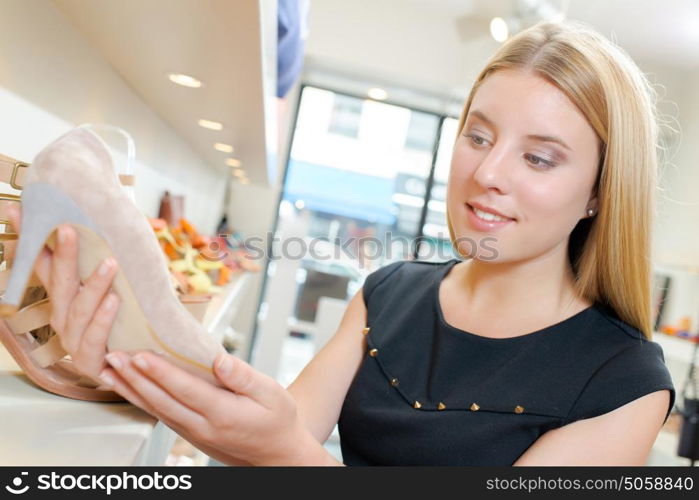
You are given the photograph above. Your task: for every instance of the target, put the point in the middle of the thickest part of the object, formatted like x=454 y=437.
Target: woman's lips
x=484 y=225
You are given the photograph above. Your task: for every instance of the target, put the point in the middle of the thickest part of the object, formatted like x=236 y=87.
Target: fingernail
x=62 y=236
x=109 y=302
x=106 y=266
x=113 y=360
x=106 y=379
x=225 y=364
x=140 y=362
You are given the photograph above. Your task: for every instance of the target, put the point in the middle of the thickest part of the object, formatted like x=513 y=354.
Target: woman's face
x=527 y=153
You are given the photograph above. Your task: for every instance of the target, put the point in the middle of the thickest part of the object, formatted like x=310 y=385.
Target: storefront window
x=353 y=200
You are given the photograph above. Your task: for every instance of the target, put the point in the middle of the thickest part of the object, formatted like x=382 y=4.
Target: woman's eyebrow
x=549 y=138
x=537 y=137
x=481 y=116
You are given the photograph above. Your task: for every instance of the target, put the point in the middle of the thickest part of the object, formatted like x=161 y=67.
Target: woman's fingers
x=93 y=345
x=86 y=301
x=164 y=406
x=241 y=378
x=112 y=380
x=196 y=393
x=43 y=267
x=64 y=276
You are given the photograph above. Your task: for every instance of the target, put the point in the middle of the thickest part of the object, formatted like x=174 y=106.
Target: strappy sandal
x=26 y=334
x=73 y=181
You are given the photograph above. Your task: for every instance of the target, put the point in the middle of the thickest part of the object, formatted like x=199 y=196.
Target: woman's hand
x=252 y=421
x=81 y=313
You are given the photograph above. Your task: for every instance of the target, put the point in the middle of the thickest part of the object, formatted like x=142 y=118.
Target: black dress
x=428 y=393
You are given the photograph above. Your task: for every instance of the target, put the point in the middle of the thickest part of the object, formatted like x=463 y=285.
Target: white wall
x=51 y=79
x=676 y=242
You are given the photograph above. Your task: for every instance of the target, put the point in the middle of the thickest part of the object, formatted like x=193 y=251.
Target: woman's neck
x=545 y=283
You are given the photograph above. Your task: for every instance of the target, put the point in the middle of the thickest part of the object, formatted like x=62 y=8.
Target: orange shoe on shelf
x=73 y=181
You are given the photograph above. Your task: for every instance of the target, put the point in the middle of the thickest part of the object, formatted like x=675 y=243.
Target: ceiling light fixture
x=210 y=124
x=233 y=162
x=184 y=80
x=377 y=93
x=223 y=148
x=499 y=29
x=239 y=173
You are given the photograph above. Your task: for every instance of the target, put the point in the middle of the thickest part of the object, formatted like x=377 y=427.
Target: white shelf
x=224 y=305
x=229 y=45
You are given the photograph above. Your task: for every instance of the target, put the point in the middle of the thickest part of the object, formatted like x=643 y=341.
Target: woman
x=555 y=164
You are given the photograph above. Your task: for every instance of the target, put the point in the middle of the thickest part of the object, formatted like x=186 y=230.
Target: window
x=345 y=116
x=421 y=131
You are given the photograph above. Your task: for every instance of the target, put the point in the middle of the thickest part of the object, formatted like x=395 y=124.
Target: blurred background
x=309 y=123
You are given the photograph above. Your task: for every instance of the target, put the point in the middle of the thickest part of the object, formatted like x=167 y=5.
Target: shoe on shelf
x=73 y=181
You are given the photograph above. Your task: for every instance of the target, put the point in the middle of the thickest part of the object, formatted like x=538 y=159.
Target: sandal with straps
x=27 y=335
x=73 y=181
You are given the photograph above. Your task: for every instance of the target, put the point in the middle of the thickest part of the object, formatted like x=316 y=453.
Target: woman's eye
x=476 y=139
x=538 y=161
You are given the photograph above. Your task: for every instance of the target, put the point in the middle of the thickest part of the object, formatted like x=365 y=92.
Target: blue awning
x=341 y=192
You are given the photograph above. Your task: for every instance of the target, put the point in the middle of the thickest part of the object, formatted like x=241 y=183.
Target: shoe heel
x=44 y=208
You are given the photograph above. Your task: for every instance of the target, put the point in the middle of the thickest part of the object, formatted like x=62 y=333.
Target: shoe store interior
x=274 y=153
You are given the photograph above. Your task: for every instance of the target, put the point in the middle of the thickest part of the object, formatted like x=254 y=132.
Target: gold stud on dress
x=373 y=352
x=366 y=330
x=519 y=409
x=441 y=406
x=394 y=382
x=475 y=407
x=417 y=405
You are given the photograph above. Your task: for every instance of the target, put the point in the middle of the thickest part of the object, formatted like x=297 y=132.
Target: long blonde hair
x=610 y=254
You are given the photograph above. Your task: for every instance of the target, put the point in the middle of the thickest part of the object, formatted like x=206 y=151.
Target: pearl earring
x=590 y=212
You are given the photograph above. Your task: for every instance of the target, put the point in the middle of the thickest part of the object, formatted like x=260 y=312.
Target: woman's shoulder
x=401 y=274
x=622 y=365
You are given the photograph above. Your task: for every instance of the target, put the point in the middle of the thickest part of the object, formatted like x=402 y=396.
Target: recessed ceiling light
x=233 y=162
x=377 y=93
x=244 y=180
x=210 y=125
x=499 y=29
x=184 y=80
x=239 y=173
x=224 y=148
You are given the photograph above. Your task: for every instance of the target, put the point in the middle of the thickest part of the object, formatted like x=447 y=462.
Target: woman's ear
x=592 y=206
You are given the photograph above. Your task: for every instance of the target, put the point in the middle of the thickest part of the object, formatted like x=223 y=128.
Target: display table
x=40 y=428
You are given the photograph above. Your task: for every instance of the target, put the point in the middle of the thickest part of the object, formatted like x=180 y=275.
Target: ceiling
x=223 y=43
x=663 y=31
x=426 y=53
x=410 y=44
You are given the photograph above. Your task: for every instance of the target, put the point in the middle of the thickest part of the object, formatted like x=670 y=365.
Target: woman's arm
x=623 y=436
x=321 y=387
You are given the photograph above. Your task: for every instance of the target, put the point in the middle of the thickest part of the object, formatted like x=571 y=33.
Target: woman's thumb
x=241 y=378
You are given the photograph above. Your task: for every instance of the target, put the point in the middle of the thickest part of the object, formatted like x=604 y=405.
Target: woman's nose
x=493 y=172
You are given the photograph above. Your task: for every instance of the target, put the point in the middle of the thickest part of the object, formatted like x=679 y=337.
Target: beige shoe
x=73 y=181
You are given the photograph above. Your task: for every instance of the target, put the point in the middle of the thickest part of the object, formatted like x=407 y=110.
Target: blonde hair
x=610 y=254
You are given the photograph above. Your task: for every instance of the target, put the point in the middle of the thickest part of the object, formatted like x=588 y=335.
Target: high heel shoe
x=73 y=181
x=27 y=335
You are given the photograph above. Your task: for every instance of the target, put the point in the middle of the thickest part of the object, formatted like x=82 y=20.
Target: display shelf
x=224 y=305
x=230 y=46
